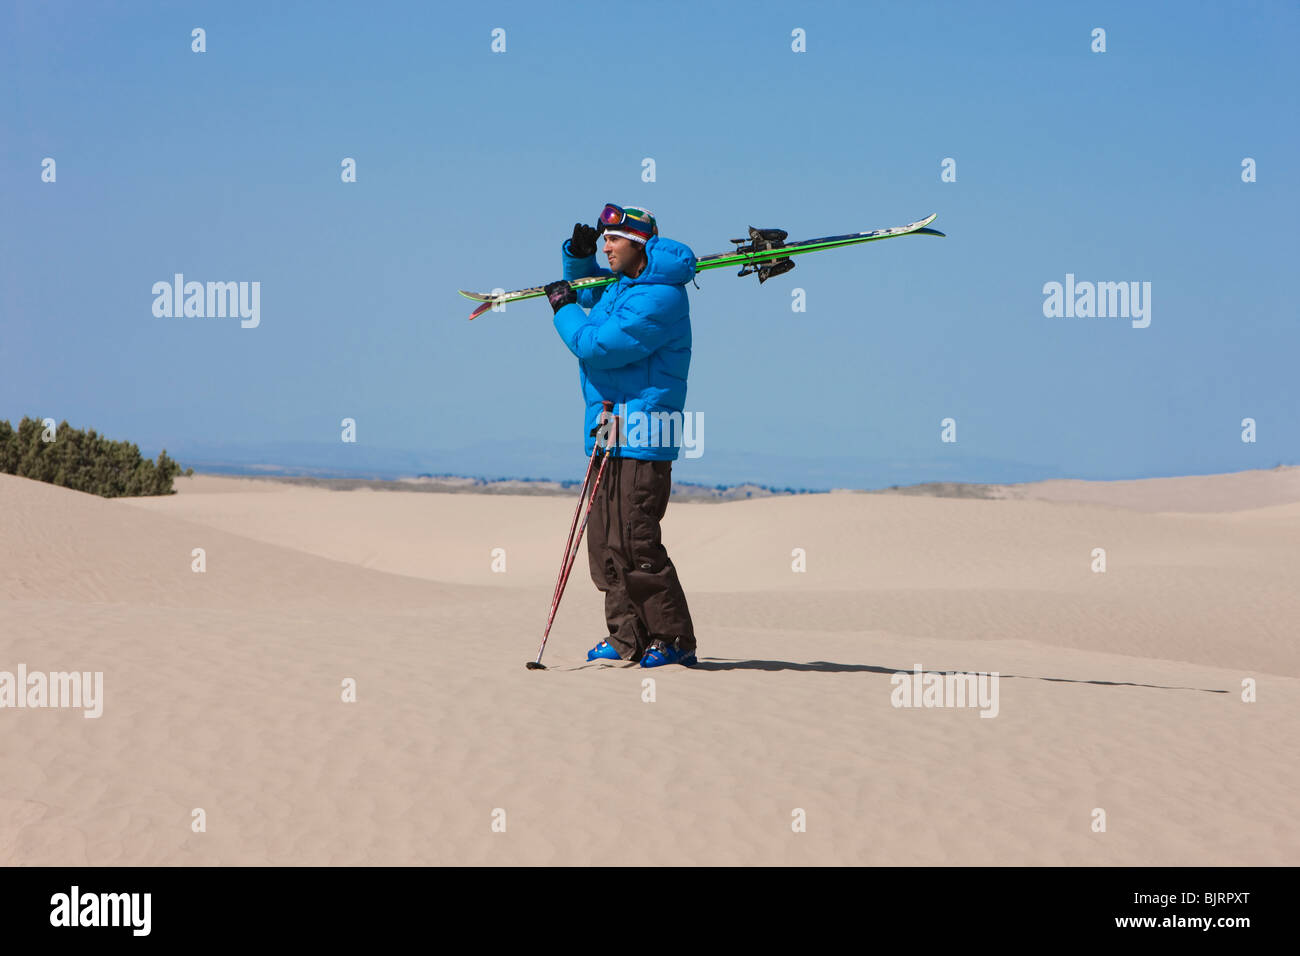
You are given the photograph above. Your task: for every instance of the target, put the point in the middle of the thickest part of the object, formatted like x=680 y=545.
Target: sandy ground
x=1119 y=691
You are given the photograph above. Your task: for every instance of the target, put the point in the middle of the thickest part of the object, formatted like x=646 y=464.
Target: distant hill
x=456 y=484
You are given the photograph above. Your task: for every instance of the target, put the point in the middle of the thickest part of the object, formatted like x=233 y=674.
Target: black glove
x=583 y=243
x=560 y=294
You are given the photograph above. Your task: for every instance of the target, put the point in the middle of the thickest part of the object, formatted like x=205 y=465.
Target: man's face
x=623 y=253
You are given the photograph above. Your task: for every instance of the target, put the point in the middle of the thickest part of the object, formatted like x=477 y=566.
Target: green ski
x=765 y=252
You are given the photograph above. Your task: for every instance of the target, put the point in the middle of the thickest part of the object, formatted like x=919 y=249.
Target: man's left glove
x=583 y=243
x=560 y=294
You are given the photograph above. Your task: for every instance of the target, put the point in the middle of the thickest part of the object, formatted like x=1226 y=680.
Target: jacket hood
x=668 y=262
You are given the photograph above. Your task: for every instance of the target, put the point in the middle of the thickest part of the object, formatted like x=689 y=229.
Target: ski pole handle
x=608 y=424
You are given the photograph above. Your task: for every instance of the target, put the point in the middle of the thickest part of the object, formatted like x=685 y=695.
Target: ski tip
x=480 y=310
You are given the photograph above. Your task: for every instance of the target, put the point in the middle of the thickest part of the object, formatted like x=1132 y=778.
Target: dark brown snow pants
x=643 y=598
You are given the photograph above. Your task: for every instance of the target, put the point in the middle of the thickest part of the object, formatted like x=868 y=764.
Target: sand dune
x=1244 y=490
x=1119 y=691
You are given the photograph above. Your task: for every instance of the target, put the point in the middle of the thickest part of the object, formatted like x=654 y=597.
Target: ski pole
x=573 y=525
x=572 y=547
x=571 y=550
x=582 y=496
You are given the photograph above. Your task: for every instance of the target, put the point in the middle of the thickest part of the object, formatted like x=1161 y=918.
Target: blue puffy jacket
x=634 y=347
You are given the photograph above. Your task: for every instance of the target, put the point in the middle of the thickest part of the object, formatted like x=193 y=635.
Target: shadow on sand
x=828 y=667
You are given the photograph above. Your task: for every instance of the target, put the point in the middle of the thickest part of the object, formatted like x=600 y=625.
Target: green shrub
x=84 y=461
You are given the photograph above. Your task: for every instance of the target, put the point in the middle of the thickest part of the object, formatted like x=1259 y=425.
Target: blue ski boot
x=604 y=651
x=660 y=653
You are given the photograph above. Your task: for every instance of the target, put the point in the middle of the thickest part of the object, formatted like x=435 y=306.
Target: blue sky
x=472 y=167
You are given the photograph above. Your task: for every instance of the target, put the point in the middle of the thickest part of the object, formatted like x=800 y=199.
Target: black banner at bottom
x=367 y=904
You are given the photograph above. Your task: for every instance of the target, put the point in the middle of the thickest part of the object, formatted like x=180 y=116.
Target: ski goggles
x=615 y=219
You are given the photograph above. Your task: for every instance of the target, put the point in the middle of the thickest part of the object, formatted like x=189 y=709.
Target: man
x=634 y=349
